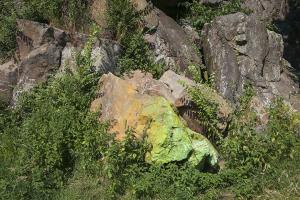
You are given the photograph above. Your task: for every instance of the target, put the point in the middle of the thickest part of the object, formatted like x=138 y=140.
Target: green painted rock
x=144 y=105
x=171 y=139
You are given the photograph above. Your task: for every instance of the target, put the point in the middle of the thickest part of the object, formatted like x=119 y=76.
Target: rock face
x=43 y=51
x=39 y=53
x=239 y=49
x=36 y=67
x=104 y=56
x=267 y=10
x=170 y=43
x=32 y=35
x=8 y=79
x=128 y=105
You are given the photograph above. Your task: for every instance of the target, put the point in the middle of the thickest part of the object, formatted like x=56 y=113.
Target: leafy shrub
x=122 y=18
x=199 y=13
x=55 y=133
x=137 y=55
x=207 y=110
x=125 y=21
x=7 y=29
x=71 y=14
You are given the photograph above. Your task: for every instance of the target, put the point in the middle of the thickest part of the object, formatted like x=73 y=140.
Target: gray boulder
x=267 y=10
x=39 y=64
x=104 y=56
x=45 y=51
x=32 y=35
x=8 y=80
x=239 y=49
x=170 y=43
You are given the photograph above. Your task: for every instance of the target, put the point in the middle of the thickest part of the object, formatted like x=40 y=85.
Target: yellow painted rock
x=126 y=105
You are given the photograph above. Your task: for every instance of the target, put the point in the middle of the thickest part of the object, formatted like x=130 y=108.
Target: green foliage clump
x=125 y=21
x=72 y=14
x=7 y=29
x=122 y=18
x=207 y=110
x=199 y=13
x=50 y=134
x=137 y=55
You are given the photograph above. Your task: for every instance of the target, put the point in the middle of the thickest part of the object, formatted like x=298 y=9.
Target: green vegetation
x=53 y=147
x=49 y=134
x=125 y=22
x=7 y=29
x=198 y=14
x=72 y=15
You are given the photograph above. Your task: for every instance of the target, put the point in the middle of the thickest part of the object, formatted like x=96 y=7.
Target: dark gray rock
x=104 y=56
x=267 y=10
x=32 y=35
x=45 y=51
x=239 y=49
x=8 y=80
x=171 y=44
x=39 y=64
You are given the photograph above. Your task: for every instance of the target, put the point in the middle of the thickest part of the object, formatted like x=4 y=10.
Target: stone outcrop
x=138 y=103
x=104 y=56
x=42 y=51
x=8 y=79
x=239 y=49
x=267 y=10
x=168 y=40
x=170 y=43
x=38 y=65
x=31 y=35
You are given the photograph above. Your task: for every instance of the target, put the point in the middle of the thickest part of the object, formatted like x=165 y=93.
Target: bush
x=199 y=13
x=72 y=14
x=122 y=18
x=7 y=29
x=136 y=55
x=53 y=133
x=125 y=21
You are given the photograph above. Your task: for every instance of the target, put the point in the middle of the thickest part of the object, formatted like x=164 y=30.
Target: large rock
x=177 y=85
x=239 y=49
x=8 y=80
x=126 y=105
x=104 y=56
x=169 y=42
x=32 y=35
x=39 y=64
x=267 y=10
x=44 y=51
